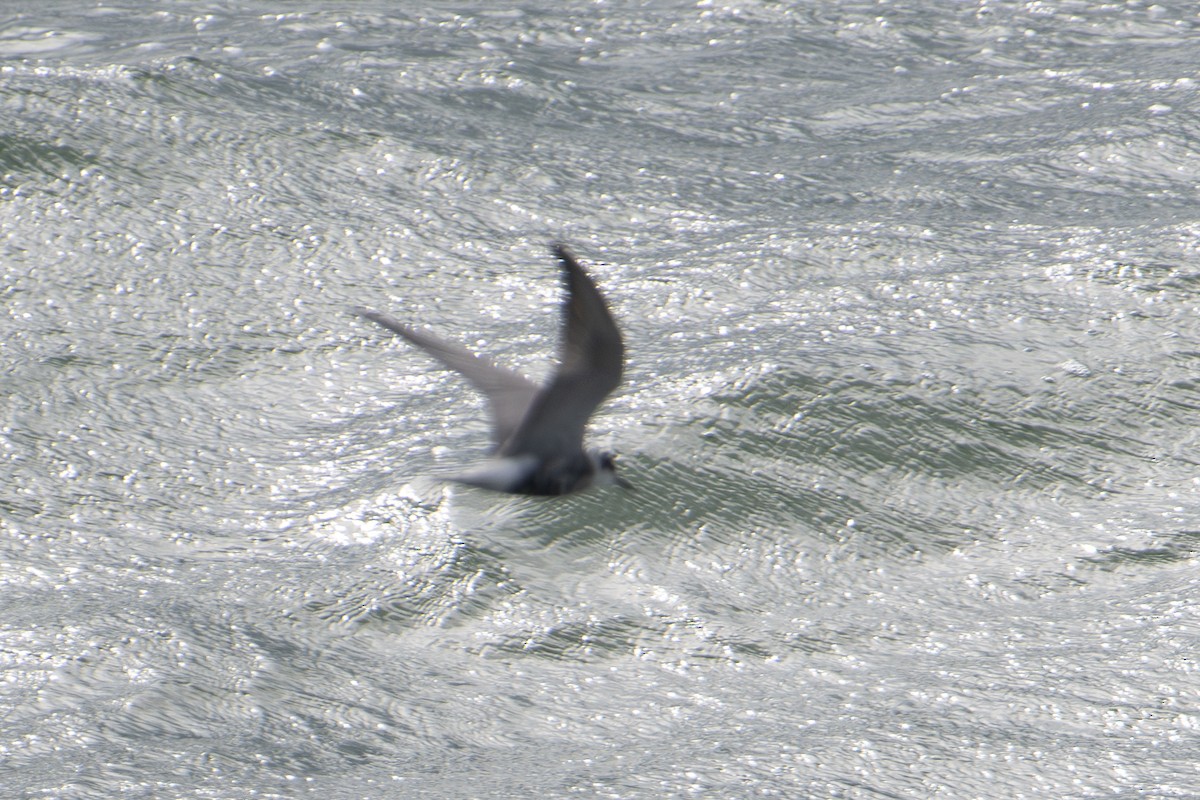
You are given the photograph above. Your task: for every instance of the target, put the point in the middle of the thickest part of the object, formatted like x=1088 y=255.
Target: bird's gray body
x=537 y=432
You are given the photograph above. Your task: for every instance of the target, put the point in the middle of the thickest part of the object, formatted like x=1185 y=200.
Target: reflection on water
x=909 y=301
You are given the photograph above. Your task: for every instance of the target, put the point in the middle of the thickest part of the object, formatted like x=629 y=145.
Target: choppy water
x=911 y=293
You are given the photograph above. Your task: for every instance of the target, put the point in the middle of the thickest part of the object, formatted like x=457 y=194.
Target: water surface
x=910 y=294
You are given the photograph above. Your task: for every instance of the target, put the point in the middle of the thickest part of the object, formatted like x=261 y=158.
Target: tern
x=537 y=431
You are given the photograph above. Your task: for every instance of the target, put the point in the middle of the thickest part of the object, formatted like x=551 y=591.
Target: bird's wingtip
x=562 y=252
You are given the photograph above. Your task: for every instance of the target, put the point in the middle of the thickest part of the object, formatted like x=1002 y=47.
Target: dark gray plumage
x=537 y=432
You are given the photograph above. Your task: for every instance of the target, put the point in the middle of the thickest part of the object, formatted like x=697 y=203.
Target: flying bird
x=537 y=431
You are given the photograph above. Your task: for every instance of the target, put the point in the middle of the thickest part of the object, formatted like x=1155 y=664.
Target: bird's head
x=606 y=472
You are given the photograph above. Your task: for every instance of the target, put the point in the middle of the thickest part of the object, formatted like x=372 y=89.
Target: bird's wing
x=593 y=357
x=509 y=394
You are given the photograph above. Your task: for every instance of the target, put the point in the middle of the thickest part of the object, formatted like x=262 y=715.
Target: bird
x=537 y=431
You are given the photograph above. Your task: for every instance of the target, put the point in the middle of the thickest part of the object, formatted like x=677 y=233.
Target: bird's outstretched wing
x=592 y=359
x=509 y=393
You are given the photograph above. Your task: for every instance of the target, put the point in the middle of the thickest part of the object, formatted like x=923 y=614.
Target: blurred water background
x=911 y=297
